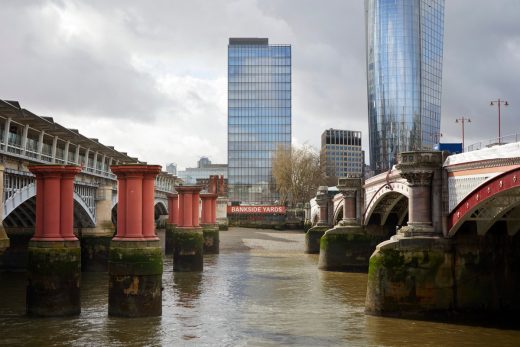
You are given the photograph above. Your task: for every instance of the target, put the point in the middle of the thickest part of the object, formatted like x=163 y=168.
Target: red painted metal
x=188 y=206
x=489 y=189
x=54 y=201
x=135 y=206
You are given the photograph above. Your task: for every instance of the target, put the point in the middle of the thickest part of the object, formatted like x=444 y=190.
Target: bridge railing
x=492 y=142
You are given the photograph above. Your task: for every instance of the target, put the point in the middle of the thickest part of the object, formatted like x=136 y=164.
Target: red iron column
x=135 y=206
x=173 y=208
x=173 y=221
x=188 y=238
x=210 y=228
x=135 y=259
x=54 y=268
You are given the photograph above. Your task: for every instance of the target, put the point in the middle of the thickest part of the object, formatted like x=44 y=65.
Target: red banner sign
x=255 y=209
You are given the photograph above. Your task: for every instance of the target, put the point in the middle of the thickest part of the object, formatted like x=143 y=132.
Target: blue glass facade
x=404 y=76
x=259 y=116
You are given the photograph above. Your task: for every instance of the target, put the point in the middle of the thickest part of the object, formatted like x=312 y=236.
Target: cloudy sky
x=150 y=77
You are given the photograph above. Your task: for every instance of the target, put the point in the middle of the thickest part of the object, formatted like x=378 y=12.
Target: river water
x=260 y=291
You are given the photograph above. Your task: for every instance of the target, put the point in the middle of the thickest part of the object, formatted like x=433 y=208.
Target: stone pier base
x=14 y=258
x=54 y=272
x=168 y=238
x=347 y=248
x=312 y=239
x=188 y=249
x=135 y=279
x=412 y=277
x=95 y=249
x=4 y=240
x=211 y=238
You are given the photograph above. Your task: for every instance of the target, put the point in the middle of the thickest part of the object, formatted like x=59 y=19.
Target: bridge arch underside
x=484 y=228
x=24 y=215
x=338 y=214
x=390 y=211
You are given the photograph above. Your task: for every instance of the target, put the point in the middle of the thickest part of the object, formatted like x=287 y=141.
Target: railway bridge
x=28 y=139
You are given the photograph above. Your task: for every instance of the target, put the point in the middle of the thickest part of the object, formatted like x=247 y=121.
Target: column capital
x=51 y=170
x=188 y=189
x=135 y=169
x=322 y=195
x=208 y=196
x=418 y=167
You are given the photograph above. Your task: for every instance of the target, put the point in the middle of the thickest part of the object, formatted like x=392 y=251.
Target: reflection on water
x=256 y=298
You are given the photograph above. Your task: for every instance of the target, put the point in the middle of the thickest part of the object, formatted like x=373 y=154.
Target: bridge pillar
x=314 y=234
x=173 y=217
x=188 y=241
x=411 y=274
x=54 y=262
x=347 y=247
x=418 y=168
x=135 y=262
x=95 y=242
x=209 y=224
x=4 y=239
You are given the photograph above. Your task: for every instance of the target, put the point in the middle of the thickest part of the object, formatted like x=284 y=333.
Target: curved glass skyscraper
x=404 y=75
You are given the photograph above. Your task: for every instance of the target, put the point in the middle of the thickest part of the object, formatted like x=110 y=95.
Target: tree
x=297 y=173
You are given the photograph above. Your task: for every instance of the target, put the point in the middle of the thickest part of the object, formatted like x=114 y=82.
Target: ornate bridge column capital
x=322 y=199
x=418 y=167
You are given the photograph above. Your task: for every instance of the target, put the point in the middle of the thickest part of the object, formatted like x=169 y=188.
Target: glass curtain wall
x=259 y=116
x=404 y=71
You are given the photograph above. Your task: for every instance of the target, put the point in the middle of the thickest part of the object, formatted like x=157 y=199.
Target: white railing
x=492 y=142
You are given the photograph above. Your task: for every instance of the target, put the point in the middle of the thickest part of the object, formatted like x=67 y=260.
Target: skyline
x=92 y=65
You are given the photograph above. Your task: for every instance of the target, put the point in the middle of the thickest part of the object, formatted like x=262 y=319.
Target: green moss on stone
x=188 y=239
x=135 y=261
x=54 y=261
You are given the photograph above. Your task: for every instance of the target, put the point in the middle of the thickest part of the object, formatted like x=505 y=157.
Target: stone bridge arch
x=496 y=200
x=20 y=209
x=160 y=208
x=389 y=202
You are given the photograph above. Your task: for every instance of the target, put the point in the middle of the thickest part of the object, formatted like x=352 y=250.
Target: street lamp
x=462 y=120
x=498 y=102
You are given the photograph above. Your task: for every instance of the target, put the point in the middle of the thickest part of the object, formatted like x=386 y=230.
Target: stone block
x=188 y=249
x=312 y=239
x=54 y=274
x=347 y=249
x=135 y=279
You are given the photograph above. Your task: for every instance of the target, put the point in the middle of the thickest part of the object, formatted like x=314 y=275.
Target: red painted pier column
x=135 y=262
x=54 y=266
x=188 y=237
x=173 y=219
x=209 y=225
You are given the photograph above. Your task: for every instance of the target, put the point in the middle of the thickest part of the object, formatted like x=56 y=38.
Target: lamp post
x=462 y=120
x=498 y=102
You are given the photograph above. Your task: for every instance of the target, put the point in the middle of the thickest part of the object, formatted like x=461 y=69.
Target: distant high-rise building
x=204 y=169
x=171 y=168
x=404 y=73
x=259 y=116
x=342 y=153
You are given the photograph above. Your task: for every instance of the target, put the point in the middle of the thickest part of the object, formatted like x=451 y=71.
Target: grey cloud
x=175 y=39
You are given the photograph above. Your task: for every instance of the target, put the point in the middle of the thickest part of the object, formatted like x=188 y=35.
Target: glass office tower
x=259 y=116
x=404 y=70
